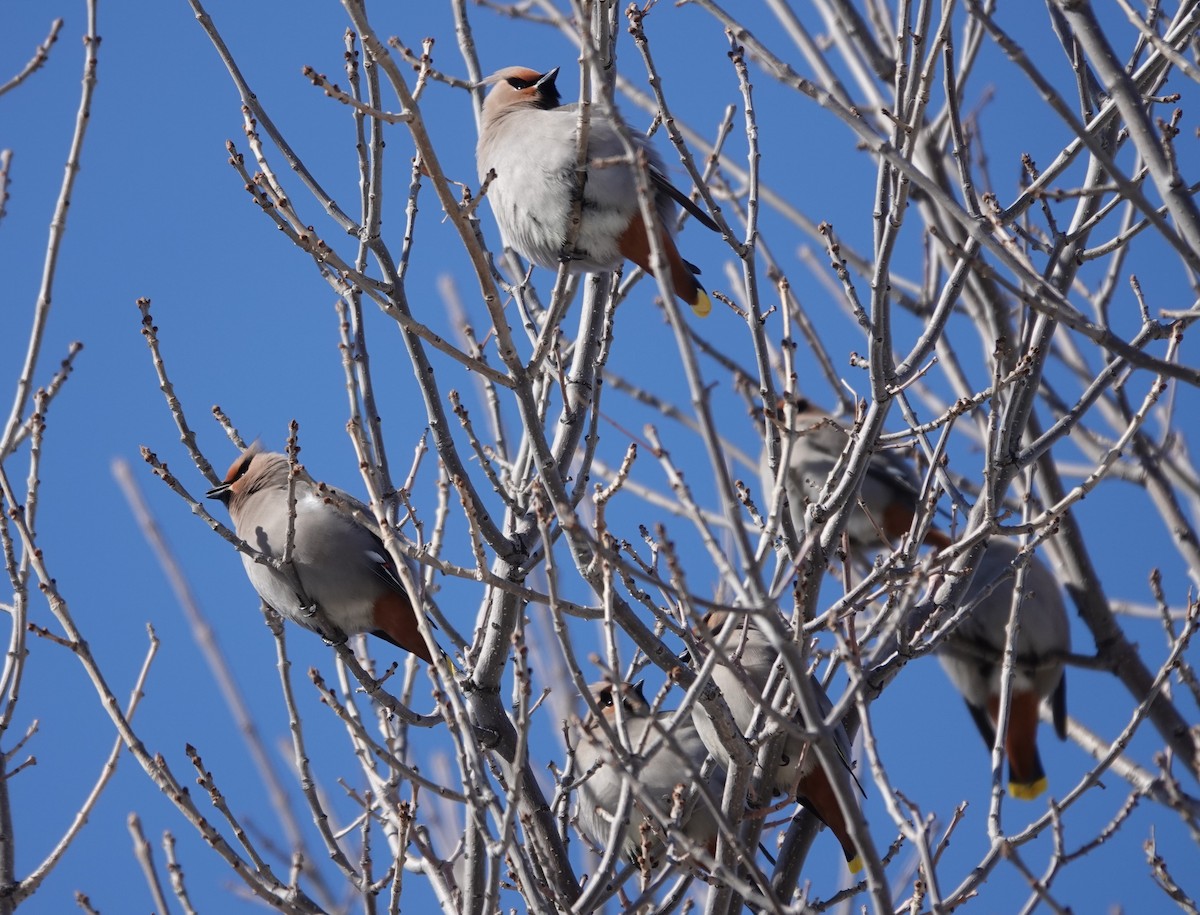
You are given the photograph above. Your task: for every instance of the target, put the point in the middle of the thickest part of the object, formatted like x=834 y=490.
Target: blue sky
x=247 y=323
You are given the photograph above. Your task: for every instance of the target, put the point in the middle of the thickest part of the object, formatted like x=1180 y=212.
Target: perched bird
x=973 y=656
x=887 y=500
x=340 y=564
x=658 y=766
x=529 y=140
x=797 y=771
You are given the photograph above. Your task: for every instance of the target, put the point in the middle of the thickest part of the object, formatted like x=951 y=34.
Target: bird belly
x=344 y=590
x=599 y=795
x=350 y=612
x=970 y=677
x=272 y=587
x=660 y=771
x=532 y=199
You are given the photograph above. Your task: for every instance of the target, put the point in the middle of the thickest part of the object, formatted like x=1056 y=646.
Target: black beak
x=545 y=93
x=637 y=688
x=221 y=493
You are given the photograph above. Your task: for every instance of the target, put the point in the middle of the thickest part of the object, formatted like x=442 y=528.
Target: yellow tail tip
x=1027 y=792
x=855 y=864
x=703 y=304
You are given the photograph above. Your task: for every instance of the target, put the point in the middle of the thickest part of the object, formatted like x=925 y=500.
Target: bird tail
x=897 y=521
x=635 y=246
x=815 y=792
x=1026 y=777
x=396 y=622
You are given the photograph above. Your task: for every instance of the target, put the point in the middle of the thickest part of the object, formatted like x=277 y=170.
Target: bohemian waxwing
x=530 y=141
x=797 y=772
x=340 y=564
x=973 y=656
x=887 y=500
x=657 y=765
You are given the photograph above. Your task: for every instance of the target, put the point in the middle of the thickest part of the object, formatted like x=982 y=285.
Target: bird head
x=252 y=470
x=520 y=86
x=633 y=702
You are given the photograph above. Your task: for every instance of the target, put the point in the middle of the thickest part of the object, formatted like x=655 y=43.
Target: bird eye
x=517 y=83
x=605 y=699
x=239 y=469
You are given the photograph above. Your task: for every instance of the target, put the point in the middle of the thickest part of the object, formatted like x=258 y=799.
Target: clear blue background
x=247 y=323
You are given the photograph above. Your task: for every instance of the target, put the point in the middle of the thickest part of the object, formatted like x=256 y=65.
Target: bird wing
x=986 y=729
x=358 y=516
x=661 y=184
x=604 y=141
x=1058 y=708
x=383 y=567
x=895 y=472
